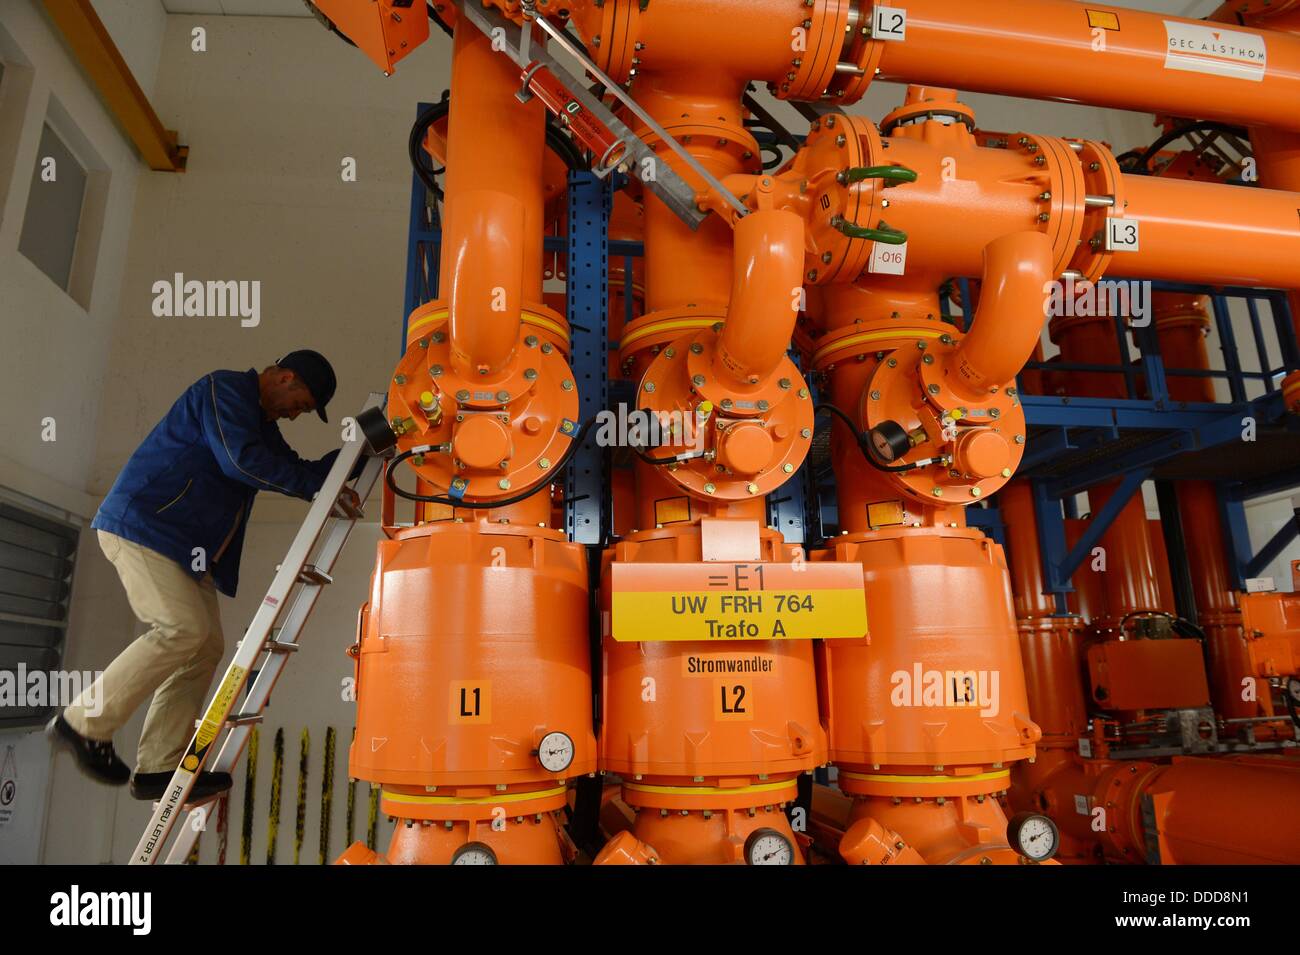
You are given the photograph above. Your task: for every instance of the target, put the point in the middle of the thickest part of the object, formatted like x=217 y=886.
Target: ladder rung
x=310 y=574
x=244 y=719
x=343 y=509
x=275 y=646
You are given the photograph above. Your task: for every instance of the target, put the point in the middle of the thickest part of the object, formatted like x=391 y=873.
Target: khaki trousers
x=174 y=661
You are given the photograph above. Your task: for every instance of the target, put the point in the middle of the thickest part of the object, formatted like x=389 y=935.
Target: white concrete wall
x=56 y=353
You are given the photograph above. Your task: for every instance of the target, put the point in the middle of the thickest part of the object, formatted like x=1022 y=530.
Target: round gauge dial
x=555 y=752
x=474 y=853
x=768 y=847
x=1034 y=836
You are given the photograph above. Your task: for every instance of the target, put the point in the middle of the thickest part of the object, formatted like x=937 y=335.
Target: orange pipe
x=1045 y=49
x=764 y=295
x=491 y=253
x=1010 y=315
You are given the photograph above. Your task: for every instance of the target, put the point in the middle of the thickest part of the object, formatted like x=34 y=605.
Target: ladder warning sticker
x=214 y=717
x=1215 y=50
x=725 y=601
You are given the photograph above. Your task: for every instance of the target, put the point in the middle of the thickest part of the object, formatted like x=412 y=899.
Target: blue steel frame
x=1080 y=424
x=805 y=511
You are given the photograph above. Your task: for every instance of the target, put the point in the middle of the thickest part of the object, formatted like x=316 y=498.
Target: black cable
x=391 y=480
x=864 y=444
x=558 y=143
x=433 y=15
x=1200 y=126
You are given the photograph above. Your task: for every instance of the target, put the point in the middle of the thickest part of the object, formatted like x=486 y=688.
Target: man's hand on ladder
x=350 y=499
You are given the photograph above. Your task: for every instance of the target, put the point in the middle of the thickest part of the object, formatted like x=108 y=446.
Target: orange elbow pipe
x=1010 y=316
x=1051 y=44
x=766 y=280
x=492 y=256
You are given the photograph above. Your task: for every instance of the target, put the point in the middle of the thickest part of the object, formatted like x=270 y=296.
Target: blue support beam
x=1051 y=543
x=1273 y=549
x=586 y=515
x=1236 y=538
x=1101 y=521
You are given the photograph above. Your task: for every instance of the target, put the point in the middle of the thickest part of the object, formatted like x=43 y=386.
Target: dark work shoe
x=153 y=785
x=95 y=757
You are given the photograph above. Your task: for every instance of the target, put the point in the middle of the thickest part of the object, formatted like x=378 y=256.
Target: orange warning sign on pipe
x=726 y=601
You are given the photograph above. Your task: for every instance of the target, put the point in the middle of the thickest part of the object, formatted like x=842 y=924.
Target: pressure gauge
x=1033 y=835
x=474 y=853
x=889 y=441
x=555 y=752
x=768 y=847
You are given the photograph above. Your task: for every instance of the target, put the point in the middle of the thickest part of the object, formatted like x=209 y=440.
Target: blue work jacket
x=191 y=483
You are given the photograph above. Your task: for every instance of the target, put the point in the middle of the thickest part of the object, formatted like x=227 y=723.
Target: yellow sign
x=1104 y=19
x=221 y=706
x=725 y=601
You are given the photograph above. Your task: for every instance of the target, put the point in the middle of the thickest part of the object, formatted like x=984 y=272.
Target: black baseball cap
x=315 y=373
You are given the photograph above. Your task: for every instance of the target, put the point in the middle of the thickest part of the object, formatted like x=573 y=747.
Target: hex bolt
x=933 y=389
x=504 y=484
x=875 y=395
x=892 y=363
x=423 y=343
x=567 y=384
x=803 y=393
x=462 y=395
x=439 y=337
x=399 y=379
x=1020 y=439
x=530 y=374
x=928 y=359
x=547 y=348
x=670 y=352
x=709 y=488
x=788 y=468
x=762 y=404
x=937 y=492
x=503 y=396
x=544 y=464
x=530 y=341
x=975 y=492
x=696 y=348
x=805 y=432
x=752 y=488
x=1006 y=472
x=784 y=384
x=726 y=404
x=435 y=371
x=649 y=387
x=696 y=380
x=995 y=412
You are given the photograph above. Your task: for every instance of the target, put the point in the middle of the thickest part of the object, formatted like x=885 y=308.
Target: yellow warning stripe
x=667 y=325
x=472 y=801
x=876 y=336
x=710 y=790
x=883 y=778
x=528 y=318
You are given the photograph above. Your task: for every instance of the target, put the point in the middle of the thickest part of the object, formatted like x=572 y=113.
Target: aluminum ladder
x=298 y=582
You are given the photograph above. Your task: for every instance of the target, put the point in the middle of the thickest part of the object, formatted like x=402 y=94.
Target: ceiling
x=239 y=8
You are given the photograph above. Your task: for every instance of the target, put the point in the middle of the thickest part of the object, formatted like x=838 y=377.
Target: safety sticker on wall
x=8 y=786
x=1215 y=50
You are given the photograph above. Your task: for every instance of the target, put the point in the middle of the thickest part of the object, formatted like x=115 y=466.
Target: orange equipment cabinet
x=474 y=649
x=1148 y=674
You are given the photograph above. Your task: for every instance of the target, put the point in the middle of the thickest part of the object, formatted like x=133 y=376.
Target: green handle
x=883 y=234
x=892 y=175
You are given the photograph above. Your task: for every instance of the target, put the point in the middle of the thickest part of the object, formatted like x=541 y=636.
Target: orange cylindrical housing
x=1049 y=49
x=673 y=727
x=491 y=245
x=889 y=699
x=474 y=646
